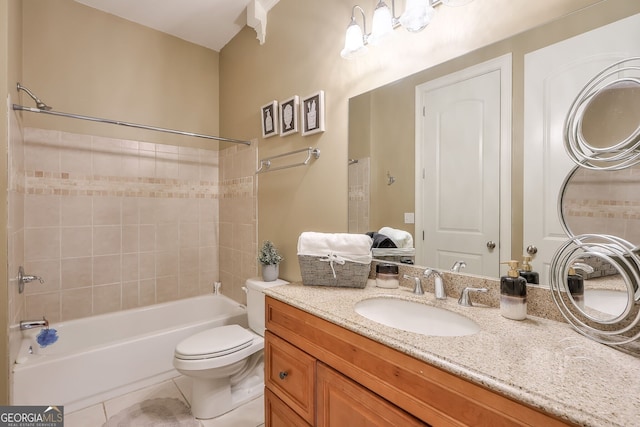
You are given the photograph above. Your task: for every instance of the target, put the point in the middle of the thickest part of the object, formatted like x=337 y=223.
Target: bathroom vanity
x=326 y=365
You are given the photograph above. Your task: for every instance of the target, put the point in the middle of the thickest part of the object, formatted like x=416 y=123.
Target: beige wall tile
x=76 y=242
x=130 y=267
x=76 y=272
x=42 y=243
x=76 y=210
x=107 y=298
x=107 y=240
x=130 y=239
x=147 y=292
x=41 y=210
x=167 y=262
x=76 y=303
x=130 y=295
x=106 y=211
x=147 y=265
x=106 y=269
x=167 y=288
x=189 y=235
x=147 y=238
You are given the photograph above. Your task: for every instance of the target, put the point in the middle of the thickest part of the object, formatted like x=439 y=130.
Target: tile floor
x=249 y=415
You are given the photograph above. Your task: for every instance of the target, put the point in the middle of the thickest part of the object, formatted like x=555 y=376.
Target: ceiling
x=209 y=23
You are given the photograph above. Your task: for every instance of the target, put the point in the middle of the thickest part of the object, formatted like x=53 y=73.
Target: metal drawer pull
x=283 y=374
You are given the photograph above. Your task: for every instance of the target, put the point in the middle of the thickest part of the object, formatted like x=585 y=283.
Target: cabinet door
x=342 y=402
x=289 y=374
x=278 y=414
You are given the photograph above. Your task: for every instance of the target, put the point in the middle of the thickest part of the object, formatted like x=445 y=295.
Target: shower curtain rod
x=133 y=125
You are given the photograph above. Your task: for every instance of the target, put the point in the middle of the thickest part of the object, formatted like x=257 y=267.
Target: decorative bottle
x=513 y=293
x=527 y=271
x=575 y=282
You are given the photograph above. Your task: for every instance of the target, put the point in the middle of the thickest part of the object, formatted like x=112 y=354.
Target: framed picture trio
x=294 y=114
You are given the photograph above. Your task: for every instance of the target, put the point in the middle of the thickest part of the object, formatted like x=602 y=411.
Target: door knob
x=532 y=250
x=491 y=245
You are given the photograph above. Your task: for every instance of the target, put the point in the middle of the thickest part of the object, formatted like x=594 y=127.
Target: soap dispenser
x=527 y=271
x=575 y=282
x=513 y=293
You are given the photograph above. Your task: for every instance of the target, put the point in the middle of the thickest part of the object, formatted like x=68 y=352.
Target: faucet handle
x=458 y=265
x=465 y=299
x=418 y=284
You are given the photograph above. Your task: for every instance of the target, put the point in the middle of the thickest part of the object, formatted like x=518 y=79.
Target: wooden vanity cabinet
x=329 y=376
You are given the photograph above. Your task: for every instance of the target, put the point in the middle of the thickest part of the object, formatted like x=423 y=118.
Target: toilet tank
x=255 y=302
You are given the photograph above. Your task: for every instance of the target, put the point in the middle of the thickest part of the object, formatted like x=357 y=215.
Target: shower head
x=39 y=104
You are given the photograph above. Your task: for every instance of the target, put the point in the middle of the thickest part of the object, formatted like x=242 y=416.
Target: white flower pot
x=270 y=272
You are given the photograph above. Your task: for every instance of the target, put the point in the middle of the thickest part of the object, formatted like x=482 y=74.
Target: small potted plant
x=270 y=260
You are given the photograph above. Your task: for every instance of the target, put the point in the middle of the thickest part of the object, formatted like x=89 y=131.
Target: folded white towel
x=401 y=238
x=349 y=247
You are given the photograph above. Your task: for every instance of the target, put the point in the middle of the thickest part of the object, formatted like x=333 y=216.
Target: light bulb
x=456 y=2
x=417 y=15
x=382 y=24
x=353 y=42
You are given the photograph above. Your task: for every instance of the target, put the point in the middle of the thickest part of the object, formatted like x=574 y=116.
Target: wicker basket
x=319 y=273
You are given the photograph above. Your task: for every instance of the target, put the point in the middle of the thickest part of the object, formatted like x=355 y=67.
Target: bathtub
x=104 y=356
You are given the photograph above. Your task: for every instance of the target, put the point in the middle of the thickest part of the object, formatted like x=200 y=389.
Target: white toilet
x=226 y=363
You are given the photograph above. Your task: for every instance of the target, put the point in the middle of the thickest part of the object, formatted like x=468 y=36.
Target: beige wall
x=301 y=55
x=80 y=60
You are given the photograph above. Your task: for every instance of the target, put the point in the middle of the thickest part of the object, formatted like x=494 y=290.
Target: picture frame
x=312 y=113
x=269 y=115
x=289 y=115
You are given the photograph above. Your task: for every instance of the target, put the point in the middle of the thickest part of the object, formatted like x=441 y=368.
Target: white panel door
x=553 y=77
x=458 y=198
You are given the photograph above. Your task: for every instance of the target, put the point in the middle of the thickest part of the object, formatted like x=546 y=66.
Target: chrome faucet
x=439 y=284
x=458 y=265
x=26 y=278
x=418 y=284
x=30 y=324
x=465 y=299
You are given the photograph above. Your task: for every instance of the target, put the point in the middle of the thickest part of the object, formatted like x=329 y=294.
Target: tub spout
x=30 y=324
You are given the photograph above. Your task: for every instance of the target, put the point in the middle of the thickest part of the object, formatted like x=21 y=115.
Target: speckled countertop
x=543 y=363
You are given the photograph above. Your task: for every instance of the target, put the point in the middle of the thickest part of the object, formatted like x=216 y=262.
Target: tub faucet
x=417 y=289
x=30 y=324
x=458 y=265
x=439 y=284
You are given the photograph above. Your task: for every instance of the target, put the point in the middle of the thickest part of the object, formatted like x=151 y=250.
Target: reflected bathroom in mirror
x=382 y=142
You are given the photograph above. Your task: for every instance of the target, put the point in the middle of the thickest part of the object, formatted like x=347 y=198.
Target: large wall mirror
x=382 y=137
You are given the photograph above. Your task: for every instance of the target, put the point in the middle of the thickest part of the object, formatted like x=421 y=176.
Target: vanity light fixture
x=416 y=17
x=355 y=41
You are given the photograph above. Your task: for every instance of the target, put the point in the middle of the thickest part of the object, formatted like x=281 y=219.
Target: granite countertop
x=540 y=362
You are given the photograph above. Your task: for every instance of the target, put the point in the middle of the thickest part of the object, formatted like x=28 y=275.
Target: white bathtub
x=101 y=357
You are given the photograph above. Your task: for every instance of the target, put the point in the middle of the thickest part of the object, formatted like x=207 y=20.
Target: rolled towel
x=350 y=247
x=380 y=240
x=401 y=238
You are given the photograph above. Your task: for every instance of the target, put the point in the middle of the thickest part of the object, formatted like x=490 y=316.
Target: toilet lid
x=214 y=342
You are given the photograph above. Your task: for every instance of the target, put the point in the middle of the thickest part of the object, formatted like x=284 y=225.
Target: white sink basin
x=415 y=317
x=606 y=301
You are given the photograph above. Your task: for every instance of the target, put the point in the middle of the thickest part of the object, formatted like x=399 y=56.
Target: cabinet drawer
x=277 y=414
x=290 y=375
x=342 y=402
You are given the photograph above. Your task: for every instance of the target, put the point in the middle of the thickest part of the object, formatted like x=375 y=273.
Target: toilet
x=226 y=363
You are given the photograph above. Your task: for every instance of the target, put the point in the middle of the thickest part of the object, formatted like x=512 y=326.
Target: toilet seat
x=213 y=343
